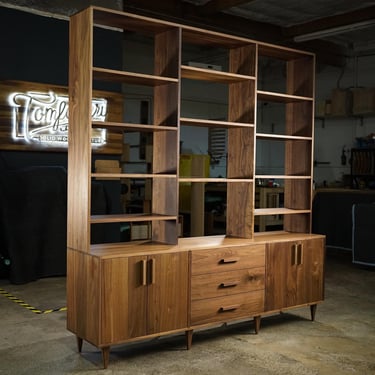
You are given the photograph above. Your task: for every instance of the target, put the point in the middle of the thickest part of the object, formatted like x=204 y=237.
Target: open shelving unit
x=123 y=291
x=165 y=83
x=296 y=137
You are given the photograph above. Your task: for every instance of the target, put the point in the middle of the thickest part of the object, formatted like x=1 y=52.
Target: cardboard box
x=322 y=108
x=341 y=102
x=363 y=101
x=125 y=156
x=107 y=166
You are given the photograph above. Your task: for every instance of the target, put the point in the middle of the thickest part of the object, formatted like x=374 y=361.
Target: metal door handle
x=143 y=272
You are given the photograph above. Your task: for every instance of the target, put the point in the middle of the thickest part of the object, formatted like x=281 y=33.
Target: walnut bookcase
x=119 y=292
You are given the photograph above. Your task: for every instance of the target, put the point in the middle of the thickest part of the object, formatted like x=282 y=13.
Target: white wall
x=334 y=135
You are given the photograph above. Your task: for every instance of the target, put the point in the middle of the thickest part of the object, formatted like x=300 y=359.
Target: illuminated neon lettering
x=43 y=117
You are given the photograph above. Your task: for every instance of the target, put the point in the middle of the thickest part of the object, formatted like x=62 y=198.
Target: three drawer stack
x=227 y=284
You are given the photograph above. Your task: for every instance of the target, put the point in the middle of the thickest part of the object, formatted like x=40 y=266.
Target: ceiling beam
x=356 y=16
x=214 y=6
x=189 y=14
x=327 y=53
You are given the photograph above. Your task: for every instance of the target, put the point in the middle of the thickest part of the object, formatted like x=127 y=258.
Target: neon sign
x=43 y=118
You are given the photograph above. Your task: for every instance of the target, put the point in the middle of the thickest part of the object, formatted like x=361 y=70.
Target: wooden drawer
x=227 y=259
x=227 y=308
x=225 y=283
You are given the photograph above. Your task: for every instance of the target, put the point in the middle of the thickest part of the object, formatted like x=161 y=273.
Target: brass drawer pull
x=229 y=260
x=229 y=284
x=229 y=308
x=143 y=272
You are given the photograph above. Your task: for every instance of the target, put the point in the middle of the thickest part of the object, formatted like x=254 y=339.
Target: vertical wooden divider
x=79 y=136
x=241 y=144
x=299 y=118
x=165 y=153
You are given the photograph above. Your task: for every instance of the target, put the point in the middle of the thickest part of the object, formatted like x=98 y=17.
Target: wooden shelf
x=210 y=179
x=124 y=218
x=278 y=211
x=110 y=75
x=123 y=126
x=282 y=177
x=212 y=75
x=281 y=98
x=132 y=175
x=213 y=123
x=282 y=137
x=193 y=35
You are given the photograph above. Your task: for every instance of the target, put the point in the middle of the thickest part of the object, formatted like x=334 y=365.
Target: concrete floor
x=340 y=341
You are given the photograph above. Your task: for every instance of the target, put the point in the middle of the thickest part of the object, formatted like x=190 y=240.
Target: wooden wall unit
x=119 y=292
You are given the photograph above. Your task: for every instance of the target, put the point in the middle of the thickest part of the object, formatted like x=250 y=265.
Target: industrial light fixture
x=334 y=31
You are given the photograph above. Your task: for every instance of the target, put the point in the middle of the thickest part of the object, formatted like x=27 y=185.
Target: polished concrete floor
x=340 y=341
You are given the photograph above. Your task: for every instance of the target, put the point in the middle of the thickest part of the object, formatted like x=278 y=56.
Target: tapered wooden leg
x=189 y=339
x=105 y=356
x=313 y=311
x=79 y=344
x=257 y=323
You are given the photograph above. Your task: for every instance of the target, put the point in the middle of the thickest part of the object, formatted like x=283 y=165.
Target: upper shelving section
x=176 y=67
x=285 y=125
x=293 y=73
x=285 y=91
x=126 y=21
x=224 y=65
x=220 y=63
x=99 y=60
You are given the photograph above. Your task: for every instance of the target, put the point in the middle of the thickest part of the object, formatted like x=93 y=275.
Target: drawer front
x=226 y=283
x=227 y=259
x=222 y=309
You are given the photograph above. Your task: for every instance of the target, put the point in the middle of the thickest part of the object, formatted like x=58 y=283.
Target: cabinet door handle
x=143 y=272
x=229 y=260
x=294 y=254
x=229 y=308
x=229 y=284
x=300 y=254
x=152 y=271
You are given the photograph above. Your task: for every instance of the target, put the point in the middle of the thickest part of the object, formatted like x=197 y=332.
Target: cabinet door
x=137 y=295
x=294 y=273
x=124 y=299
x=167 y=292
x=143 y=295
x=310 y=271
x=114 y=300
